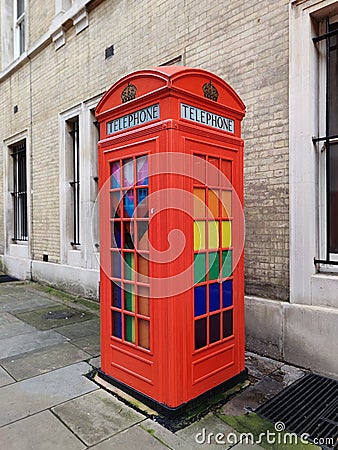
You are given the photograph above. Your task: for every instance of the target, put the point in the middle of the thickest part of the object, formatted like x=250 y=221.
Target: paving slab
x=80 y=330
x=163 y=434
x=27 y=397
x=259 y=366
x=43 y=431
x=44 y=360
x=11 y=326
x=23 y=343
x=131 y=439
x=95 y=362
x=96 y=416
x=53 y=317
x=202 y=434
x=89 y=344
x=5 y=378
x=14 y=305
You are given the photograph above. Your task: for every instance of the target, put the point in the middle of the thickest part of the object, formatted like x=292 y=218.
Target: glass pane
x=214 y=328
x=116 y=265
x=115 y=175
x=128 y=234
x=116 y=234
x=226 y=169
x=142 y=170
x=226 y=234
x=128 y=172
x=142 y=203
x=199 y=267
x=199 y=202
x=129 y=328
x=333 y=198
x=227 y=323
x=214 y=297
x=143 y=269
x=213 y=234
x=199 y=169
x=117 y=324
x=129 y=266
x=200 y=333
x=199 y=235
x=227 y=293
x=213 y=203
x=144 y=333
x=115 y=205
x=128 y=204
x=143 y=301
x=333 y=79
x=200 y=300
x=213 y=171
x=142 y=235
x=116 y=296
x=226 y=263
x=213 y=265
x=20 y=7
x=226 y=204
x=129 y=297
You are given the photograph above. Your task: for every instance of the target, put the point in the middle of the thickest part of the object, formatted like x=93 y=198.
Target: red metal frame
x=175 y=368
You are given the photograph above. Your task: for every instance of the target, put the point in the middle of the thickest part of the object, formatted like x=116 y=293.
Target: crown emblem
x=128 y=93
x=210 y=91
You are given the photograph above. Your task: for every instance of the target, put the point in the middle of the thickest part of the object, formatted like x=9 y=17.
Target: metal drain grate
x=7 y=279
x=310 y=405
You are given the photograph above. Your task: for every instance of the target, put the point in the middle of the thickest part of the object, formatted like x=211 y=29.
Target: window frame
x=19 y=29
x=18 y=153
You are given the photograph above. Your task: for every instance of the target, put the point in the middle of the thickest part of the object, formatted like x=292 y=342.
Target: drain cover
x=59 y=314
x=310 y=405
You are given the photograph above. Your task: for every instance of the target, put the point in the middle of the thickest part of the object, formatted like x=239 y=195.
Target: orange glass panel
x=143 y=301
x=143 y=333
x=199 y=202
x=213 y=203
x=226 y=204
x=143 y=269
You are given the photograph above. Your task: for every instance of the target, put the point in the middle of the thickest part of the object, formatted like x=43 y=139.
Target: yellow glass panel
x=199 y=235
x=213 y=234
x=226 y=204
x=213 y=203
x=226 y=234
x=199 y=202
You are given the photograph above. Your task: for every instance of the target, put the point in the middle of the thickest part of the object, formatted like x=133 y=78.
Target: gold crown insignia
x=210 y=91
x=128 y=93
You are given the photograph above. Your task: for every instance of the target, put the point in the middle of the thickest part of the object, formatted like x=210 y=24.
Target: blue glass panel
x=117 y=324
x=128 y=202
x=200 y=333
x=142 y=203
x=200 y=300
x=214 y=296
x=117 y=296
x=116 y=241
x=142 y=170
x=227 y=293
x=116 y=265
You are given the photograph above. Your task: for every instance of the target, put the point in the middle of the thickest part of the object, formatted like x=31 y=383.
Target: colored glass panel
x=142 y=170
x=227 y=293
x=199 y=164
x=143 y=268
x=129 y=298
x=214 y=297
x=200 y=300
x=116 y=238
x=115 y=205
x=129 y=328
x=115 y=175
x=227 y=170
x=226 y=263
x=128 y=203
x=116 y=296
x=117 y=324
x=128 y=172
x=116 y=265
x=199 y=202
x=144 y=333
x=213 y=203
x=128 y=234
x=226 y=233
x=213 y=234
x=226 y=204
x=213 y=171
x=142 y=235
x=227 y=323
x=214 y=328
x=142 y=203
x=199 y=235
x=200 y=333
x=129 y=266
x=143 y=301
x=213 y=265
x=199 y=267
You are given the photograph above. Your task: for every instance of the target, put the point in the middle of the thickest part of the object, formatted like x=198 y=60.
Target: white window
x=19 y=27
x=19 y=192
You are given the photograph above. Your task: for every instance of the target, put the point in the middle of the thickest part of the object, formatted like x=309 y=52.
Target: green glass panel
x=129 y=328
x=129 y=266
x=213 y=265
x=199 y=267
x=129 y=296
x=226 y=264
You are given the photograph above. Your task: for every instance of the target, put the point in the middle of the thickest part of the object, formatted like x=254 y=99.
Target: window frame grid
x=19 y=193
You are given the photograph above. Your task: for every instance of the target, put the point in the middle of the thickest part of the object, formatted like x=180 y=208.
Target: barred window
x=75 y=182
x=19 y=193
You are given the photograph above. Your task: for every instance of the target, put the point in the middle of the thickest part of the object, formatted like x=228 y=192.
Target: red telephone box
x=172 y=232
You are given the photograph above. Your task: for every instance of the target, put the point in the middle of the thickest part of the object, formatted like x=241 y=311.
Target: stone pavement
x=48 y=342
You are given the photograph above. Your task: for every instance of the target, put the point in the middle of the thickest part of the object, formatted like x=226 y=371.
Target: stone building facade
x=57 y=59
